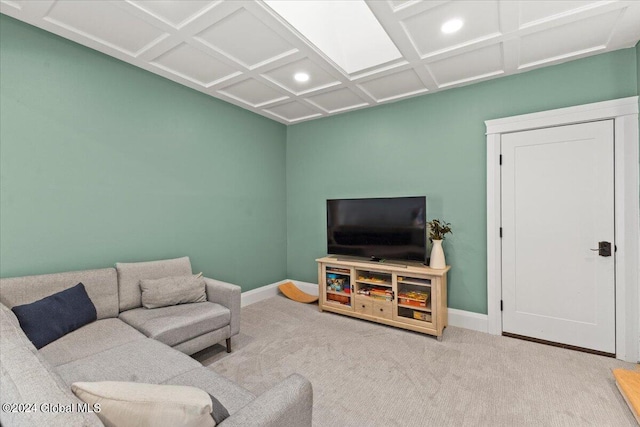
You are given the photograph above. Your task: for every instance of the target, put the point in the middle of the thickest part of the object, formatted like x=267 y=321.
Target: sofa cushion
x=139 y=404
x=90 y=339
x=179 y=323
x=218 y=411
x=101 y=286
x=144 y=361
x=176 y=290
x=203 y=341
x=130 y=274
x=25 y=377
x=230 y=394
x=53 y=317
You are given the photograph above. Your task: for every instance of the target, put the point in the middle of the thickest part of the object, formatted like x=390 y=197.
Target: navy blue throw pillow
x=218 y=410
x=53 y=317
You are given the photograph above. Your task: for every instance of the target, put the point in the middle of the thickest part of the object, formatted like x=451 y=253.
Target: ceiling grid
x=244 y=53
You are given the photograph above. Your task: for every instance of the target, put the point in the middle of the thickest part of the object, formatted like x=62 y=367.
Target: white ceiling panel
x=253 y=92
x=16 y=4
x=105 y=22
x=293 y=111
x=481 y=21
x=190 y=63
x=318 y=78
x=400 y=3
x=175 y=13
x=567 y=40
x=337 y=100
x=246 y=53
x=392 y=86
x=473 y=65
x=244 y=38
x=536 y=11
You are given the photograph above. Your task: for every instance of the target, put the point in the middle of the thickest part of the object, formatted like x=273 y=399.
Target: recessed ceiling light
x=451 y=26
x=301 y=77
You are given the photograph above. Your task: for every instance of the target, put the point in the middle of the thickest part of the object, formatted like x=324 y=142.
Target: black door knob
x=604 y=249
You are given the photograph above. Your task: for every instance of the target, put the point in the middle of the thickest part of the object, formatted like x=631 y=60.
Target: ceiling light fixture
x=451 y=26
x=301 y=77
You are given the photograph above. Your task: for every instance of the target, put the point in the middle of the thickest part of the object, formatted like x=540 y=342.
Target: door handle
x=604 y=249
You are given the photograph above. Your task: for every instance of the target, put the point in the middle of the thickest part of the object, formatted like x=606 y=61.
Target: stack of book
x=384 y=294
x=416 y=298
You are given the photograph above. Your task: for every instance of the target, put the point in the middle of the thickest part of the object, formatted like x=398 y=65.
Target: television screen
x=382 y=228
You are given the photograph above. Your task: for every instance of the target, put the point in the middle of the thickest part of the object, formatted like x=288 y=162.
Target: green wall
x=101 y=162
x=638 y=65
x=638 y=69
x=431 y=145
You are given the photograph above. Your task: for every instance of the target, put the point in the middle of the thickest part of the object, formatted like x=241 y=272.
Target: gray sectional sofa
x=130 y=343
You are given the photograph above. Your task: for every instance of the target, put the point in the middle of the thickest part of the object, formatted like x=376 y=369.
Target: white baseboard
x=458 y=318
x=271 y=290
x=468 y=320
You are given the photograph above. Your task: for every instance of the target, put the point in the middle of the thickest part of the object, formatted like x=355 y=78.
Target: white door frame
x=624 y=112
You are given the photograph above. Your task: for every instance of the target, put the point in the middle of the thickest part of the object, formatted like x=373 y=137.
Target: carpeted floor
x=365 y=374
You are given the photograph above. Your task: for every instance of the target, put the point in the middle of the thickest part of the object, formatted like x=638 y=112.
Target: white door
x=557 y=205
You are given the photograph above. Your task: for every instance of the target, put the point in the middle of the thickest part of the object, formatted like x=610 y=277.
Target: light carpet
x=366 y=374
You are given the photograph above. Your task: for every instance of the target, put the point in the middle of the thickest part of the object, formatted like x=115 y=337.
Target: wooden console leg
x=228 y=345
x=439 y=337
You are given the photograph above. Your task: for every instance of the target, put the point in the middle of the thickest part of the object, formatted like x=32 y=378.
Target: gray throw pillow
x=172 y=291
x=218 y=410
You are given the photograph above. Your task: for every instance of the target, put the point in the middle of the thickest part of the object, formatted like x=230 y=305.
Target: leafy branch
x=438 y=228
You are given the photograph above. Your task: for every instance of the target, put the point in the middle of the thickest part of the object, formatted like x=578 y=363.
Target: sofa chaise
x=130 y=343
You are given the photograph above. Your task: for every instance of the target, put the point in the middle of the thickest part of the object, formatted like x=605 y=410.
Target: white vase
x=437 y=256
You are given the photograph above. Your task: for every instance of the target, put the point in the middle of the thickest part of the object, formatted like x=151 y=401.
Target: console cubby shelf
x=368 y=282
x=338 y=293
x=342 y=273
x=412 y=307
x=417 y=282
x=373 y=291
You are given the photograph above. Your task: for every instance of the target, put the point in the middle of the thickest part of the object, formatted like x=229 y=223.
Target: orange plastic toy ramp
x=292 y=292
x=628 y=383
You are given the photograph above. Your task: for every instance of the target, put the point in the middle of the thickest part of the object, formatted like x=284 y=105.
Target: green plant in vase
x=437 y=230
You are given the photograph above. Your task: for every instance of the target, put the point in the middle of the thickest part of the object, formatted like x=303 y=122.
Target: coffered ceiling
x=247 y=54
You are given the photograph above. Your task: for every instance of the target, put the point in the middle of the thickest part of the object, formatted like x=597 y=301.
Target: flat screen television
x=380 y=228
